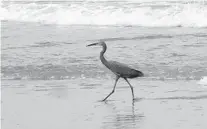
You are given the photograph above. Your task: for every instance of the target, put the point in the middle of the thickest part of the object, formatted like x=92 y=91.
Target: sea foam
x=147 y=14
x=203 y=81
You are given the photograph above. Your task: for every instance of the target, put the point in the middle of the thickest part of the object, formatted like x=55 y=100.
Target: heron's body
x=119 y=69
x=122 y=70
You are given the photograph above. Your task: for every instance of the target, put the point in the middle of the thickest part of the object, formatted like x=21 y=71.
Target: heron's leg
x=117 y=78
x=130 y=87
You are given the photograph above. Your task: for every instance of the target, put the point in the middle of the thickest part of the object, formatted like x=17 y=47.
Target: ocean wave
x=62 y=72
x=147 y=14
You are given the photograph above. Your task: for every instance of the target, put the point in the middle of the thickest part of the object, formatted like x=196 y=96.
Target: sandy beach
x=51 y=80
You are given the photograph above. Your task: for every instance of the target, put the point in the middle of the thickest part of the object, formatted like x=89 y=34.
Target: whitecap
x=147 y=14
x=203 y=81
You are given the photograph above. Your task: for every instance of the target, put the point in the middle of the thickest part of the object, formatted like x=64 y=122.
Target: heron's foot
x=134 y=100
x=137 y=99
x=104 y=100
x=101 y=101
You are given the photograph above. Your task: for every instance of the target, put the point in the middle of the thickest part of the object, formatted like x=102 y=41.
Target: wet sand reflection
x=122 y=118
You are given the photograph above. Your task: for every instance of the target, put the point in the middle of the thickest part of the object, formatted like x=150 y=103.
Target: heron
x=119 y=69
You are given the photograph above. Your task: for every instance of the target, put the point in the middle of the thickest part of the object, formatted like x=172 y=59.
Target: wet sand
x=75 y=104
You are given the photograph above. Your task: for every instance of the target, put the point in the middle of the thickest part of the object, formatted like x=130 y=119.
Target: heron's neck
x=103 y=60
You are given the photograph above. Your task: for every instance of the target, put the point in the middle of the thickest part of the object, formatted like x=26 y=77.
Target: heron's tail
x=136 y=73
x=139 y=74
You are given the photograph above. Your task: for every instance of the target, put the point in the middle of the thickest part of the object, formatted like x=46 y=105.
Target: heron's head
x=100 y=43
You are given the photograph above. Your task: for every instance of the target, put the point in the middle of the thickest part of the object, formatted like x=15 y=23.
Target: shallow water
x=76 y=104
x=39 y=51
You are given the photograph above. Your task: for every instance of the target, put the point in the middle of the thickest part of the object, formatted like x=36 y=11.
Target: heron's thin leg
x=117 y=78
x=130 y=87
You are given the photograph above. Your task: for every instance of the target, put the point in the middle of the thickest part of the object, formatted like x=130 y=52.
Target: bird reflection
x=122 y=118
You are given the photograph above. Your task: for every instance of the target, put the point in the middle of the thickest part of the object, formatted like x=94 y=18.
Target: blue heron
x=119 y=69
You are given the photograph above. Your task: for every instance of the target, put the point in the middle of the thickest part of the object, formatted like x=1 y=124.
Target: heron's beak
x=93 y=44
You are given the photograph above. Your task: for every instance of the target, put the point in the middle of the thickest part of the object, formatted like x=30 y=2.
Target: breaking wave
x=125 y=13
x=203 y=81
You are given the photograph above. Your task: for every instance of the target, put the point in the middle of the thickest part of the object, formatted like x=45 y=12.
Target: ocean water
x=50 y=79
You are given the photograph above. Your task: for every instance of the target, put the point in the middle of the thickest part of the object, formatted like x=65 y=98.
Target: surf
x=108 y=13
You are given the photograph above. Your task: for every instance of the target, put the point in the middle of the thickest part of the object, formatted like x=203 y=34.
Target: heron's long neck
x=103 y=60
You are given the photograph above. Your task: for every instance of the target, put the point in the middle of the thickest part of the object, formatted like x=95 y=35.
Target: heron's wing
x=119 y=68
x=123 y=70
